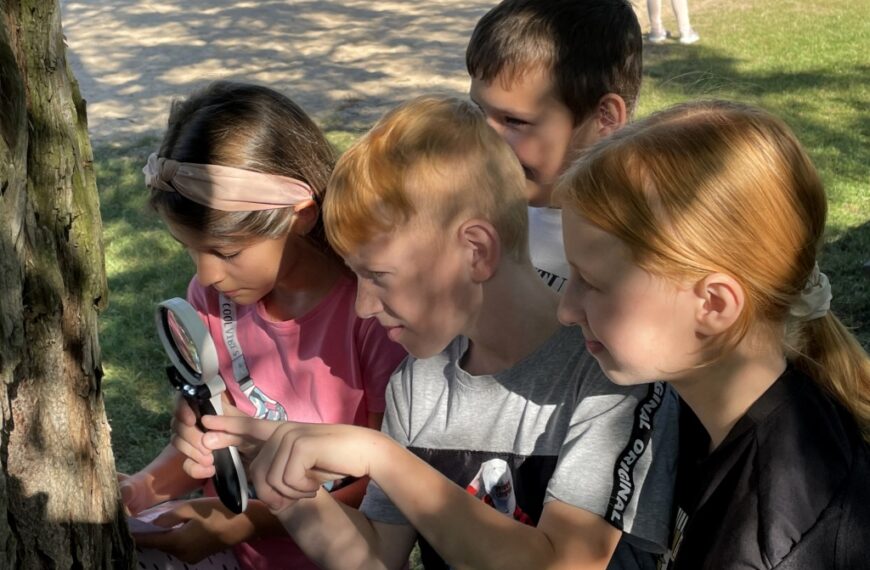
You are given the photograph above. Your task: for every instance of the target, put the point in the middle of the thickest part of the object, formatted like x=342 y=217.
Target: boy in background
x=553 y=77
x=503 y=444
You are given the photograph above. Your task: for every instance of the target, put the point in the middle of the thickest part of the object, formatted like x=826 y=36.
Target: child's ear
x=484 y=246
x=720 y=301
x=611 y=114
x=305 y=215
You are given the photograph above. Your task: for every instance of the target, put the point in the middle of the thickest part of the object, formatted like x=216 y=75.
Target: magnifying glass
x=195 y=373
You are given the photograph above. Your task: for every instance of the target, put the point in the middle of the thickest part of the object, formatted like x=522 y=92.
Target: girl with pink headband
x=239 y=179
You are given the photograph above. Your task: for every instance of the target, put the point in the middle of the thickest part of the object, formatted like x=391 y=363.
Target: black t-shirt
x=789 y=488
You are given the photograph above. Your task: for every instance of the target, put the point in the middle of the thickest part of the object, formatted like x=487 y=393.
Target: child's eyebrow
x=525 y=115
x=516 y=113
x=216 y=247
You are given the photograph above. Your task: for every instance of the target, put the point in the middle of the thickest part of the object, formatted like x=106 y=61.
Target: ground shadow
x=843 y=259
x=131 y=59
x=705 y=72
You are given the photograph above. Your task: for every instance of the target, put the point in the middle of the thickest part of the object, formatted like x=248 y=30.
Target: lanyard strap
x=231 y=340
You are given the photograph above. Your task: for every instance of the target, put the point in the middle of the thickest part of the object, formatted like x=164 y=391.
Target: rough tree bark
x=59 y=503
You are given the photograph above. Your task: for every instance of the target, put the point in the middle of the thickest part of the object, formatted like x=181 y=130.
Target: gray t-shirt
x=552 y=427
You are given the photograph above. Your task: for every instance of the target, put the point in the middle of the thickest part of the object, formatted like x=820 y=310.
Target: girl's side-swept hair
x=249 y=127
x=434 y=156
x=721 y=187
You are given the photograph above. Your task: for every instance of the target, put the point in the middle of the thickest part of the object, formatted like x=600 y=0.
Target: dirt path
x=346 y=59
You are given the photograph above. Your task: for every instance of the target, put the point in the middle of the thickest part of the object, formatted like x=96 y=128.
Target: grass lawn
x=802 y=61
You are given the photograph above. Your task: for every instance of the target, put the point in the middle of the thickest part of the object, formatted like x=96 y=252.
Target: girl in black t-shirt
x=692 y=237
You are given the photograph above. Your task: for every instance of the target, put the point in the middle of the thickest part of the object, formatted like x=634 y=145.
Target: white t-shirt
x=547 y=247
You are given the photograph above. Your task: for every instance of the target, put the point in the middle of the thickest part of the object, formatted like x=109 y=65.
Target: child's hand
x=206 y=527
x=295 y=459
x=187 y=438
x=136 y=494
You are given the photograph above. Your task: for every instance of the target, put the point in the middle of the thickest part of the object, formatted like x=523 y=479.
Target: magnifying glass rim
x=189 y=320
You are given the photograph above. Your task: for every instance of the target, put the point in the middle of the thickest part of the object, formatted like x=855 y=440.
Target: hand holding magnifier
x=195 y=373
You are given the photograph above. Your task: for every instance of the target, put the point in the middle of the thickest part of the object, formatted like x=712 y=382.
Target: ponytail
x=832 y=356
x=676 y=184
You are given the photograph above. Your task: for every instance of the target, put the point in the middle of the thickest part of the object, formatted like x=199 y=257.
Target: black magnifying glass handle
x=227 y=478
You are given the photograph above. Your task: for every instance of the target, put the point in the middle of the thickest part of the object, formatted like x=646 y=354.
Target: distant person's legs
x=657 y=33
x=681 y=11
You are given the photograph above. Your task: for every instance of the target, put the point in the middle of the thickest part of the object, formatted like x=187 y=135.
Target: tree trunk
x=59 y=505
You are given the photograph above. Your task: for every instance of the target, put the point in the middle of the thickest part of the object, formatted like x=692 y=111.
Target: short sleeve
x=379 y=357
x=618 y=458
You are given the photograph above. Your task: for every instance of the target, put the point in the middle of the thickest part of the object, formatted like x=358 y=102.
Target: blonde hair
x=432 y=156
x=721 y=187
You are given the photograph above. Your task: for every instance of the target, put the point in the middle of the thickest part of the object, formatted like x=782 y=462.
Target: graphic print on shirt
x=494 y=485
x=553 y=281
x=668 y=558
x=529 y=476
x=641 y=434
x=265 y=407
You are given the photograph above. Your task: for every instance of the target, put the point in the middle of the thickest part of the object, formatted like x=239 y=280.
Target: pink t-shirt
x=328 y=366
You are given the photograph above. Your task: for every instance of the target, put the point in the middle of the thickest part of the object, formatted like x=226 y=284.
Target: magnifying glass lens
x=184 y=344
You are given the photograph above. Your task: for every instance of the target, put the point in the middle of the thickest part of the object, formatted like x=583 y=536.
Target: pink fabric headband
x=224 y=188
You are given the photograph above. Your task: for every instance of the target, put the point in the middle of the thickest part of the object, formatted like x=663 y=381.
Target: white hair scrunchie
x=815 y=298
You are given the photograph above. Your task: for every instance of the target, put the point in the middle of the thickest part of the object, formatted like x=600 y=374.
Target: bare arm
x=159 y=481
x=207 y=527
x=353 y=493
x=466 y=532
x=336 y=536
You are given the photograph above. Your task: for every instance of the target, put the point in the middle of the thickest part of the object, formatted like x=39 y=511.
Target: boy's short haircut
x=435 y=156
x=592 y=47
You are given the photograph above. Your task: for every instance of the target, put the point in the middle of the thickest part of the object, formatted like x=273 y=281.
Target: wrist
x=385 y=454
x=265 y=523
x=299 y=514
x=240 y=528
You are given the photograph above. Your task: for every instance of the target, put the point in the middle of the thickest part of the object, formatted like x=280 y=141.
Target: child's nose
x=367 y=304
x=570 y=311
x=208 y=269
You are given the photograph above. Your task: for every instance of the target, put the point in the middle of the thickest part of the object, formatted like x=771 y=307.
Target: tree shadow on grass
x=144 y=266
x=843 y=259
x=838 y=144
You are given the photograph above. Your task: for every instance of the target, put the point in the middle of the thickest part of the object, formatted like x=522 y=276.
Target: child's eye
x=580 y=282
x=226 y=256
x=515 y=122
